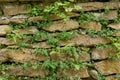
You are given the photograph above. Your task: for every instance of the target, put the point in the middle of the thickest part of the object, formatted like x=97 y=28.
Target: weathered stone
x=117 y=33
x=20 y=56
x=108 y=16
x=94 y=74
x=51 y=17
x=4 y=20
x=81 y=39
x=89 y=6
x=81 y=73
x=27 y=30
x=103 y=52
x=20 y=71
x=114 y=26
x=62 y=25
x=6 y=41
x=91 y=25
x=108 y=67
x=18 y=19
x=5 y=29
x=13 y=9
x=111 y=78
x=66 y=57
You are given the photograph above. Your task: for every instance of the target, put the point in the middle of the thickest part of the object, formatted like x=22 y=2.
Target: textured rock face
x=20 y=56
x=13 y=9
x=81 y=73
x=91 y=25
x=28 y=30
x=5 y=41
x=62 y=25
x=109 y=15
x=103 y=53
x=114 y=26
x=108 y=67
x=20 y=71
x=4 y=29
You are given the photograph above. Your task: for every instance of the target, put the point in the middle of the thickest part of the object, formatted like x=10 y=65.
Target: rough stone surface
x=112 y=78
x=5 y=29
x=103 y=52
x=5 y=41
x=117 y=33
x=13 y=9
x=91 y=25
x=109 y=15
x=18 y=19
x=83 y=40
x=82 y=73
x=20 y=71
x=94 y=74
x=62 y=25
x=27 y=30
x=20 y=56
x=108 y=67
x=65 y=57
x=4 y=20
x=114 y=26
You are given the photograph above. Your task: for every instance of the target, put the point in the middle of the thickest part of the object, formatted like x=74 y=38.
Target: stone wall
x=31 y=51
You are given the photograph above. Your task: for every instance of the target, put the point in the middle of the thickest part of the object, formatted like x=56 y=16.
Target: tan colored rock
x=62 y=25
x=81 y=73
x=111 y=78
x=20 y=56
x=30 y=72
x=94 y=74
x=103 y=52
x=117 y=33
x=65 y=57
x=13 y=9
x=114 y=26
x=108 y=16
x=35 y=19
x=6 y=41
x=90 y=6
x=7 y=0
x=5 y=29
x=91 y=25
x=108 y=67
x=27 y=30
x=18 y=19
x=4 y=20
x=82 y=39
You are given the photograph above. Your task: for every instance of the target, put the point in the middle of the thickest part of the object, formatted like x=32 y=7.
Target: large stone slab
x=114 y=26
x=91 y=25
x=81 y=39
x=65 y=57
x=20 y=56
x=112 y=14
x=5 y=29
x=81 y=73
x=112 y=78
x=108 y=67
x=13 y=9
x=4 y=20
x=90 y=6
x=62 y=25
x=18 y=19
x=27 y=30
x=103 y=52
x=20 y=71
x=6 y=41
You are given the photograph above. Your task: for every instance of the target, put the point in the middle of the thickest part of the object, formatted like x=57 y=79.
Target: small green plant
x=35 y=65
x=65 y=35
x=107 y=9
x=41 y=51
x=117 y=20
x=15 y=37
x=86 y=17
x=53 y=41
